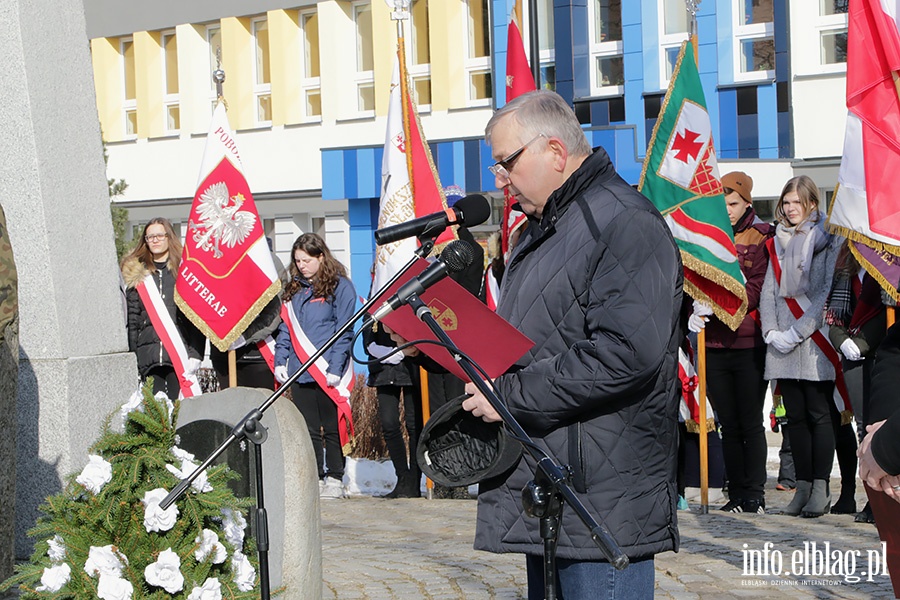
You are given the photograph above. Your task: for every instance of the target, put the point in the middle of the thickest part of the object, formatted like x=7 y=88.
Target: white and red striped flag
x=227 y=274
x=865 y=207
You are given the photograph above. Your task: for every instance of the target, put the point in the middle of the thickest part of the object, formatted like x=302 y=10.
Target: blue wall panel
x=333 y=174
x=350 y=173
x=748 y=136
x=728 y=131
x=472 y=181
x=366 y=182
x=628 y=166
x=767 y=108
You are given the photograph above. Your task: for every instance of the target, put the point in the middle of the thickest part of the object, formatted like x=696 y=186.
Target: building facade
x=307 y=85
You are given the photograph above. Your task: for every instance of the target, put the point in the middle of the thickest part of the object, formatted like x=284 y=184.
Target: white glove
x=783 y=341
x=192 y=366
x=332 y=380
x=281 y=374
x=850 y=350
x=698 y=318
x=379 y=351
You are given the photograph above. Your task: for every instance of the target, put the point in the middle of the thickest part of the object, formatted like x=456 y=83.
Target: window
x=129 y=95
x=262 y=78
x=214 y=42
x=310 y=82
x=754 y=40
x=365 y=58
x=478 y=53
x=418 y=53
x=607 y=68
x=832 y=27
x=674 y=29
x=547 y=42
x=169 y=48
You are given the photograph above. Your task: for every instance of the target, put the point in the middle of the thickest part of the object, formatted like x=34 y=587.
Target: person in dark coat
x=879 y=452
x=596 y=283
x=157 y=256
x=396 y=379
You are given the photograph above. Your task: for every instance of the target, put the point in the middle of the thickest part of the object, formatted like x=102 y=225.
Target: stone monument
x=74 y=368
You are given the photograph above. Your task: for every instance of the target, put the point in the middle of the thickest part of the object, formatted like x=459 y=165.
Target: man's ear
x=559 y=152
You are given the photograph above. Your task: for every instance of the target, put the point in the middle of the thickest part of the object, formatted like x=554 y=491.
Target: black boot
x=407 y=486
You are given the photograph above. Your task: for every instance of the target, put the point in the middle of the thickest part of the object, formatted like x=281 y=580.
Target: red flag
x=519 y=80
x=226 y=275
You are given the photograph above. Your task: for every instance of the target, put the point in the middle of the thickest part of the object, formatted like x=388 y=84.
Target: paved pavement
x=417 y=548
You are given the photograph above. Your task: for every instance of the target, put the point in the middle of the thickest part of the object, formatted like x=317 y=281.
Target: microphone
x=458 y=255
x=471 y=210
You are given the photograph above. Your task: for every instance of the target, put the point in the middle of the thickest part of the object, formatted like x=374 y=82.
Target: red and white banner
x=226 y=275
x=689 y=407
x=340 y=395
x=169 y=335
x=799 y=305
x=491 y=289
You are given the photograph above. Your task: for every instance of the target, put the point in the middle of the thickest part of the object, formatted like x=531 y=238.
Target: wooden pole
x=704 y=442
x=232 y=369
x=891 y=315
x=426 y=414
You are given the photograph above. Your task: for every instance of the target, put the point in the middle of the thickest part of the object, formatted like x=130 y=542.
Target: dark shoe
x=753 y=507
x=801 y=497
x=865 y=515
x=407 y=487
x=819 y=502
x=846 y=505
x=733 y=506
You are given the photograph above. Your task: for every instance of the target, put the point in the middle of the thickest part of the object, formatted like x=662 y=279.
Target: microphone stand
x=249 y=427
x=542 y=497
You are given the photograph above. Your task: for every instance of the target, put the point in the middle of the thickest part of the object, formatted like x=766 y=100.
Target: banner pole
x=232 y=369
x=704 y=441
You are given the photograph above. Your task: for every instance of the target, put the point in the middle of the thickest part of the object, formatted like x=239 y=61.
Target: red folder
x=887 y=519
x=477 y=330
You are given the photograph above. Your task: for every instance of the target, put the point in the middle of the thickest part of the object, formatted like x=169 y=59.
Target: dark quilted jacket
x=597 y=286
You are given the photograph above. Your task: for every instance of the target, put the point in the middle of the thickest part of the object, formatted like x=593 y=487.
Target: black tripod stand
x=545 y=496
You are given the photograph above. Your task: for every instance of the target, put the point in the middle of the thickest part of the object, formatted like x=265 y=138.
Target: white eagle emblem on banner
x=221 y=223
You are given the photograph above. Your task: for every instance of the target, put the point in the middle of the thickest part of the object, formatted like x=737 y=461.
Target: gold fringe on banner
x=713 y=274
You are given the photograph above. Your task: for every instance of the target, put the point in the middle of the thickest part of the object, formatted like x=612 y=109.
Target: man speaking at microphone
x=596 y=282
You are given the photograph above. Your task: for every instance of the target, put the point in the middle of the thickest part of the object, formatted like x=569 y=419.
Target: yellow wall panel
x=338 y=60
x=237 y=57
x=195 y=87
x=284 y=44
x=384 y=34
x=148 y=83
x=108 y=87
x=448 y=52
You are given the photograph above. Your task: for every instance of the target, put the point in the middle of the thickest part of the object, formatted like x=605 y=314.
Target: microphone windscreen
x=458 y=255
x=474 y=209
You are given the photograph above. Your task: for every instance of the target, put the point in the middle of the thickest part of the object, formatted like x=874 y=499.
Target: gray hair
x=543 y=112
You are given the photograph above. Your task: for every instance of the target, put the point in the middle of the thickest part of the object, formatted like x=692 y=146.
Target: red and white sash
x=169 y=335
x=340 y=395
x=689 y=407
x=267 y=350
x=491 y=289
x=798 y=306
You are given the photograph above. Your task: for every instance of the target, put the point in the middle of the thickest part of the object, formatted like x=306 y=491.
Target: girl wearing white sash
x=792 y=304
x=167 y=345
x=320 y=299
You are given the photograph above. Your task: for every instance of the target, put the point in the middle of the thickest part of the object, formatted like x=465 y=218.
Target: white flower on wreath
x=96 y=474
x=104 y=560
x=244 y=573
x=233 y=524
x=57 y=549
x=165 y=572
x=182 y=454
x=112 y=587
x=155 y=518
x=211 y=590
x=208 y=541
x=200 y=484
x=170 y=406
x=134 y=403
x=54 y=578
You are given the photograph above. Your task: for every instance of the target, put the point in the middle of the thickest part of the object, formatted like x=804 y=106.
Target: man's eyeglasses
x=156 y=237
x=502 y=168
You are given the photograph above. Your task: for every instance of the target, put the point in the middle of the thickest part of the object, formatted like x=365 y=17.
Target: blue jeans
x=592 y=580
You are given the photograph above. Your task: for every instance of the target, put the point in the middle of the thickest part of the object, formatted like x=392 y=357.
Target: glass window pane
x=173 y=118
x=758 y=55
x=214 y=38
x=365 y=58
x=546 y=37
x=833 y=7
x=548 y=77
x=480 y=85
x=420 y=54
x=676 y=16
x=422 y=87
x=128 y=55
x=311 y=44
x=130 y=122
x=607 y=21
x=170 y=49
x=261 y=31
x=479 y=31
x=671 y=60
x=313 y=103
x=610 y=71
x=834 y=47
x=366 y=96
x=264 y=108
x=757 y=11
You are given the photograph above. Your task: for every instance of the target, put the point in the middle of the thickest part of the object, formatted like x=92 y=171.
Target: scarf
x=796 y=247
x=852 y=308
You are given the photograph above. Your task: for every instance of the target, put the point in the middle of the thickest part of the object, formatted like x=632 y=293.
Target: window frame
x=209 y=33
x=362 y=78
x=261 y=89
x=476 y=65
x=668 y=42
x=129 y=105
x=418 y=71
x=749 y=33
x=829 y=24
x=603 y=50
x=170 y=99
x=309 y=83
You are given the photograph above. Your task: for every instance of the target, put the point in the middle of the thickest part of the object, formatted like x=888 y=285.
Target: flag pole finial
x=219 y=75
x=399 y=9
